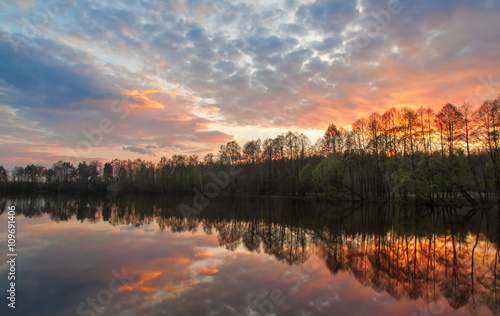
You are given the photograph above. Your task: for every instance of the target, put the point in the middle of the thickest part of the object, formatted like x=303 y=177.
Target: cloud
x=144 y=151
x=261 y=64
x=327 y=15
x=35 y=78
x=327 y=44
x=269 y=45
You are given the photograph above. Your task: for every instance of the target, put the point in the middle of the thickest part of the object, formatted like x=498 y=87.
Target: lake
x=142 y=256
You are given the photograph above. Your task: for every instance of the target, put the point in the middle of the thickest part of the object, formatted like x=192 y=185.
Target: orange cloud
x=206 y=270
x=186 y=95
x=143 y=276
x=177 y=261
x=147 y=102
x=203 y=254
x=210 y=109
x=181 y=118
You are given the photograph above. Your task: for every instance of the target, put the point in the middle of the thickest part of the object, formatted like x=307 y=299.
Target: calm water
x=141 y=256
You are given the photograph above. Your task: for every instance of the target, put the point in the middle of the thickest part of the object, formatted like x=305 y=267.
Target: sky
x=97 y=80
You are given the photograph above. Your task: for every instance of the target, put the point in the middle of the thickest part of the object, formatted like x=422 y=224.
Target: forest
x=406 y=155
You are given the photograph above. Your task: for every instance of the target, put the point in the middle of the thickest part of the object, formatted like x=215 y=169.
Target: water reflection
x=407 y=256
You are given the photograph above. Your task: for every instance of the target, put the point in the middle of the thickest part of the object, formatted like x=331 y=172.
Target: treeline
x=401 y=154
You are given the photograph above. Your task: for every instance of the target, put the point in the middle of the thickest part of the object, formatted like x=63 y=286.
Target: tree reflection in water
x=403 y=250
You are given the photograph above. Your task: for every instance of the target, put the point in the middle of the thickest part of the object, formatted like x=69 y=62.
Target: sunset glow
x=194 y=75
x=339 y=263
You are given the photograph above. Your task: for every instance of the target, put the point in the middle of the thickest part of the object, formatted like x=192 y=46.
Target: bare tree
x=230 y=153
x=252 y=151
x=374 y=127
x=450 y=121
x=489 y=122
